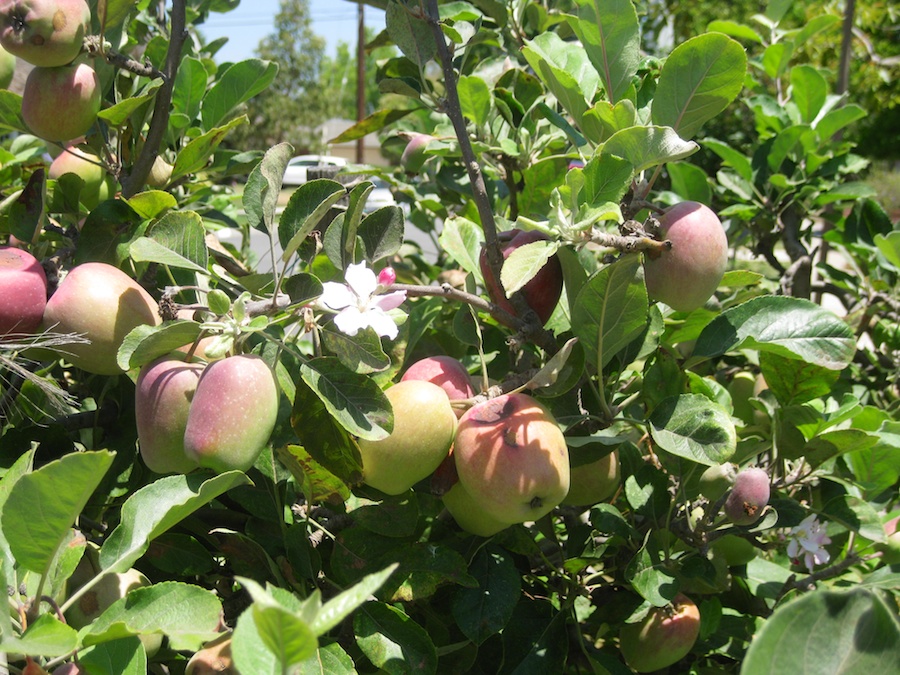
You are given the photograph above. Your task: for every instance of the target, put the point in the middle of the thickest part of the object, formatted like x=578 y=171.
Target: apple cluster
x=62 y=93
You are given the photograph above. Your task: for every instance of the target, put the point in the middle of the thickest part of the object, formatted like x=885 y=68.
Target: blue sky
x=334 y=20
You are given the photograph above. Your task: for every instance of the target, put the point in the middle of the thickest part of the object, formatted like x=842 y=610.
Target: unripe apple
x=162 y=400
x=104 y=304
x=23 y=291
x=424 y=424
x=447 y=373
x=413 y=158
x=214 y=659
x=69 y=668
x=734 y=550
x=7 y=68
x=512 y=458
x=716 y=480
x=160 y=173
x=98 y=185
x=593 y=483
x=748 y=497
x=663 y=637
x=542 y=292
x=61 y=103
x=686 y=276
x=469 y=515
x=45 y=33
x=233 y=413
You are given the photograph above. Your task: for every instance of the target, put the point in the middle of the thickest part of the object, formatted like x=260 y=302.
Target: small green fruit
x=593 y=483
x=716 y=480
x=663 y=637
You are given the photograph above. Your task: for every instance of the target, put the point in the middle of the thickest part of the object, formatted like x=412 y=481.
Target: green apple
x=23 y=291
x=97 y=186
x=104 y=304
x=44 y=32
x=595 y=482
x=232 y=414
x=446 y=372
x=61 y=103
x=716 y=480
x=424 y=424
x=7 y=68
x=663 y=637
x=734 y=550
x=512 y=458
x=469 y=515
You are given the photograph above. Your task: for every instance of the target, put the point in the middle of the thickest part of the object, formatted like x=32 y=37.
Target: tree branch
x=96 y=47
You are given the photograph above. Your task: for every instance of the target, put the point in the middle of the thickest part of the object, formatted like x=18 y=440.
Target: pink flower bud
x=387 y=277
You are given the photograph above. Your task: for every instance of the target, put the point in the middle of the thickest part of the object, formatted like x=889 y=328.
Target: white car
x=295 y=173
x=380 y=196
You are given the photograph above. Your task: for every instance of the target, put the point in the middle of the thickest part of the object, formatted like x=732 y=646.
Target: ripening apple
x=663 y=637
x=232 y=414
x=424 y=424
x=469 y=515
x=413 y=158
x=98 y=185
x=446 y=372
x=511 y=458
x=748 y=496
x=104 y=304
x=595 y=482
x=686 y=276
x=162 y=400
x=23 y=291
x=542 y=292
x=214 y=659
x=45 y=33
x=7 y=68
x=61 y=103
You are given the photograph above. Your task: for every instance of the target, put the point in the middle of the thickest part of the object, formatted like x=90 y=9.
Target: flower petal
x=350 y=321
x=381 y=323
x=336 y=296
x=361 y=280
x=389 y=301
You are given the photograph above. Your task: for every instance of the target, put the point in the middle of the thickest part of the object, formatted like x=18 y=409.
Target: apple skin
x=716 y=480
x=424 y=424
x=447 y=373
x=512 y=458
x=413 y=158
x=7 y=68
x=98 y=185
x=104 y=304
x=686 y=276
x=750 y=493
x=593 y=483
x=734 y=550
x=469 y=515
x=45 y=33
x=233 y=413
x=663 y=637
x=214 y=659
x=160 y=173
x=23 y=291
x=61 y=103
x=162 y=401
x=542 y=292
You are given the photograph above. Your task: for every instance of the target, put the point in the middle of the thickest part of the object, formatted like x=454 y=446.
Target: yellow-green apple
x=7 y=68
x=160 y=173
x=61 y=103
x=663 y=637
x=542 y=292
x=162 y=400
x=103 y=304
x=512 y=458
x=469 y=515
x=413 y=158
x=716 y=480
x=748 y=496
x=23 y=291
x=97 y=186
x=594 y=482
x=446 y=372
x=687 y=275
x=44 y=32
x=233 y=413
x=214 y=659
x=424 y=424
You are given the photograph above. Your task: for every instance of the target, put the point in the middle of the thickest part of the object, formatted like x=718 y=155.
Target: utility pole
x=360 y=80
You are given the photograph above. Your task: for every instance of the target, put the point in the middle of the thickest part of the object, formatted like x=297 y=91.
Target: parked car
x=295 y=174
x=380 y=196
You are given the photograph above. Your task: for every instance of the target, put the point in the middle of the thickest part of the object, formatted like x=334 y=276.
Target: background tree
x=338 y=77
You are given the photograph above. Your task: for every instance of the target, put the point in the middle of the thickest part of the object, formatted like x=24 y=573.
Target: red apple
x=61 y=103
x=663 y=637
x=233 y=413
x=45 y=33
x=748 y=497
x=23 y=291
x=542 y=292
x=98 y=185
x=104 y=304
x=447 y=373
x=413 y=158
x=512 y=458
x=686 y=276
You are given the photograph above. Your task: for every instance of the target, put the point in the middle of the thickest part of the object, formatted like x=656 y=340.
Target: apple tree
x=631 y=415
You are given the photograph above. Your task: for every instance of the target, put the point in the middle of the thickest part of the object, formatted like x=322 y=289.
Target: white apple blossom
x=361 y=302
x=807 y=540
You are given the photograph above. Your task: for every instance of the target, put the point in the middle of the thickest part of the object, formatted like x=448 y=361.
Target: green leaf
x=145 y=249
x=794 y=381
x=195 y=155
x=462 y=240
x=649 y=576
x=736 y=30
x=249 y=651
x=690 y=182
x=485 y=610
x=475 y=99
x=809 y=89
x=11 y=112
x=46 y=636
x=316 y=482
x=610 y=310
x=693 y=427
x=524 y=263
x=125 y=656
x=145 y=343
x=698 y=80
x=285 y=635
x=837 y=119
x=646 y=146
x=187 y=614
x=155 y=508
x=382 y=233
x=330 y=659
x=260 y=196
x=43 y=505
x=304 y=211
x=830 y=444
x=856 y=515
x=361 y=353
x=152 y=203
x=835 y=632
x=411 y=33
x=791 y=327
x=889 y=246
x=852 y=191
x=302 y=288
x=342 y=605
x=784 y=144
x=117 y=115
x=606 y=179
x=183 y=233
x=731 y=157
x=394 y=642
x=610 y=35
x=187 y=96
x=374 y=122
x=355 y=401
x=239 y=83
